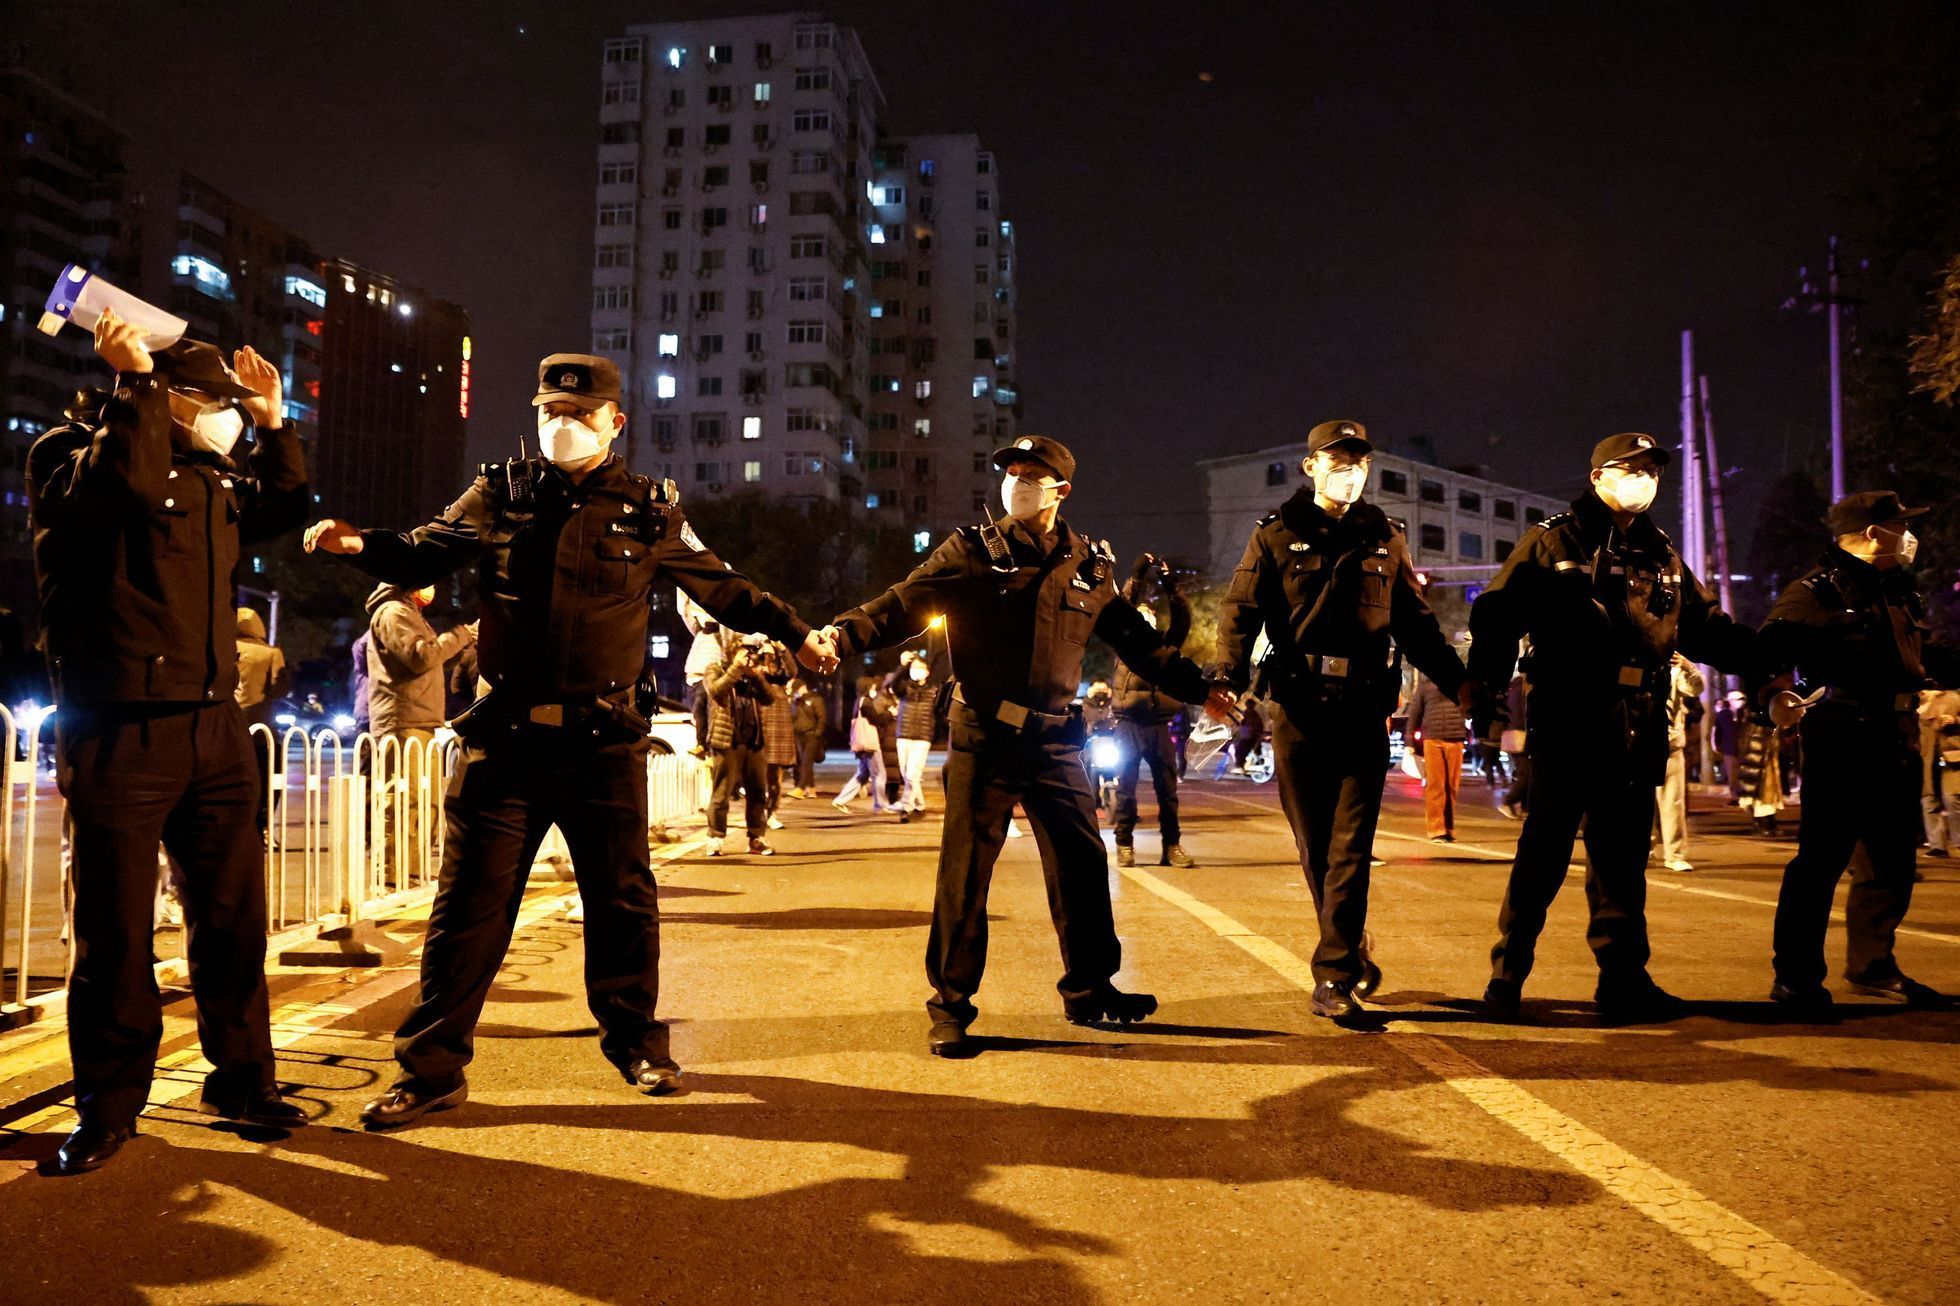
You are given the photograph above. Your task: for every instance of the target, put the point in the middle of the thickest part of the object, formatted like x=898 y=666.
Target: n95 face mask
x=566 y=440
x=1626 y=490
x=218 y=428
x=1342 y=484
x=1024 y=498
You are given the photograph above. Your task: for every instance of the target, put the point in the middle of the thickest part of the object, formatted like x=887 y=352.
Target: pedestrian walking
x=140 y=512
x=1436 y=723
x=1685 y=684
x=1605 y=600
x=1328 y=580
x=871 y=717
x=810 y=721
x=571 y=548
x=1725 y=733
x=1144 y=714
x=917 y=691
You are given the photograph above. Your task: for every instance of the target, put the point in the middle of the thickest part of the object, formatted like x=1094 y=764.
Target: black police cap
x=1854 y=512
x=1627 y=446
x=194 y=365
x=583 y=379
x=1329 y=434
x=1051 y=453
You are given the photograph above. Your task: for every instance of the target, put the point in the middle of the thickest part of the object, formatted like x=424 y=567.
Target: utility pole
x=1690 y=464
x=1724 y=587
x=1831 y=300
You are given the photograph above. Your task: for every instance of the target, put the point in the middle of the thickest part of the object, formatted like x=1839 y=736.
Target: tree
x=1788 y=538
x=1935 y=357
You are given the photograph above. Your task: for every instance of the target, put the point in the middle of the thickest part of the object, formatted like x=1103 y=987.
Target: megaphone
x=79 y=296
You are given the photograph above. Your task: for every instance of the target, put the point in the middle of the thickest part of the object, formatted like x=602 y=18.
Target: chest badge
x=1300 y=546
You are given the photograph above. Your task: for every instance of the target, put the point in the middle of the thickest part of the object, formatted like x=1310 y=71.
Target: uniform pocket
x=1377 y=580
x=1077 y=619
x=171 y=526
x=618 y=556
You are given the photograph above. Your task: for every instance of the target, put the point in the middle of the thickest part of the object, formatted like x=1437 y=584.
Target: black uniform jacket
x=568 y=573
x=1325 y=586
x=136 y=539
x=1605 y=611
x=1859 y=632
x=1136 y=699
x=1017 y=635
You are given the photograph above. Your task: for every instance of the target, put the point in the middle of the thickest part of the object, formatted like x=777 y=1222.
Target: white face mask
x=1625 y=490
x=1342 y=484
x=566 y=440
x=1904 y=546
x=217 y=429
x=1025 y=498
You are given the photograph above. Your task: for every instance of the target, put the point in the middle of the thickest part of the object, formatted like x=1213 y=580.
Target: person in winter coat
x=357 y=683
x=917 y=691
x=1671 y=797
x=810 y=719
x=778 y=726
x=1143 y=715
x=736 y=692
x=262 y=675
x=1436 y=720
x=407 y=695
x=871 y=720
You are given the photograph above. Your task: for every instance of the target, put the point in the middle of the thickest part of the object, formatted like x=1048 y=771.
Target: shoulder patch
x=1269 y=518
x=690 y=539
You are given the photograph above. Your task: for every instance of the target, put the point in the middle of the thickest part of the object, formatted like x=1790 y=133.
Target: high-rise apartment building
x=941 y=309
x=65 y=197
x=800 y=305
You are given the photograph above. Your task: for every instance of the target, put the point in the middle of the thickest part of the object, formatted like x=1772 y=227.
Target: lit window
x=980 y=387
x=922 y=427
x=922 y=390
x=209 y=276
x=762 y=92
x=306 y=290
x=921 y=541
x=876 y=234
x=662 y=646
x=670 y=346
x=871 y=500
x=676 y=56
x=752 y=472
x=751 y=428
x=663 y=386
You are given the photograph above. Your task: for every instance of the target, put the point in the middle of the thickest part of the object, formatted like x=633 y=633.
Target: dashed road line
x=1760 y=1259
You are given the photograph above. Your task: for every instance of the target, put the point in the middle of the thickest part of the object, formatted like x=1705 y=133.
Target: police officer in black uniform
x=1020 y=599
x=1855 y=630
x=139 y=515
x=1605 y=601
x=1328 y=578
x=1143 y=715
x=571 y=549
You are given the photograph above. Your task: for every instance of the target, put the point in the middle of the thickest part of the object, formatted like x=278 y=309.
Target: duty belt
x=1014 y=716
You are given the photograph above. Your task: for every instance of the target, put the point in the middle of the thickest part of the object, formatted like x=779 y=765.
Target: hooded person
x=262 y=675
x=407 y=691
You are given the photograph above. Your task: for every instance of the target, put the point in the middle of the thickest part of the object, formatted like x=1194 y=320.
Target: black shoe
x=1936 y=852
x=405 y=1103
x=1901 y=988
x=264 y=1107
x=1504 y=998
x=1802 y=999
x=1370 y=981
x=905 y=818
x=652 y=1078
x=1334 y=999
x=1636 y=1001
x=91 y=1146
x=948 y=1039
x=1111 y=1004
x=1176 y=856
x=1126 y=855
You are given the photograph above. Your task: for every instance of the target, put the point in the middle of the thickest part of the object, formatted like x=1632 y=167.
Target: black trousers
x=1592 y=778
x=1143 y=742
x=988 y=770
x=1330 y=761
x=183 y=776
x=742 y=768
x=1860 y=787
x=809 y=747
x=502 y=800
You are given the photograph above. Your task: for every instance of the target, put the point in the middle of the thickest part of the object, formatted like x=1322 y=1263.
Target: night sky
x=1483 y=223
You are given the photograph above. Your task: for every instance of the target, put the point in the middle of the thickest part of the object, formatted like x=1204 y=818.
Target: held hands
x=819 y=651
x=121 y=345
x=1221 y=704
x=258 y=375
x=333 y=535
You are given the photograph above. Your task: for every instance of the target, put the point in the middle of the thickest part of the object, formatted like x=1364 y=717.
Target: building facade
x=1461 y=525
x=66 y=196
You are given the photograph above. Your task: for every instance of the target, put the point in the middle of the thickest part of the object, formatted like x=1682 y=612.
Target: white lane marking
x=1772 y=1267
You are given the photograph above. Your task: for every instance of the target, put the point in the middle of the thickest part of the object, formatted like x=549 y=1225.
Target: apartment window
x=758 y=259
x=759 y=133
x=925 y=206
x=809 y=162
x=622 y=93
x=879 y=460
x=763 y=54
x=810 y=120
x=752 y=472
x=666 y=430
x=614 y=256
x=813 y=38
x=754 y=381
x=620 y=133
x=1532 y=516
x=713 y=177
x=1469 y=501
x=983 y=202
x=676 y=57
x=618 y=174
x=616 y=215
x=604 y=297
x=670 y=219
x=980 y=387
x=1504 y=509
x=708 y=301
x=1470 y=546
x=721 y=54
x=807 y=289
x=751 y=428
x=707 y=386
x=806 y=333
x=670 y=344
x=752 y=342
x=676 y=99
x=717 y=134
x=983 y=347
x=982 y=237
x=611 y=341
x=923 y=426
x=1434 y=539
x=813 y=79
x=722 y=97
x=670 y=305
x=808 y=247
x=922 y=389
x=802 y=203
x=885 y=385
x=663 y=386
x=927 y=168
x=981 y=274
x=758 y=216
x=981 y=426
x=1432 y=492
x=677 y=138
x=1275 y=473
x=707 y=473
x=622 y=52
x=1501 y=549
x=712 y=218
x=803 y=419
x=708 y=345
x=887 y=194
x=924 y=279
x=805 y=375
x=757 y=304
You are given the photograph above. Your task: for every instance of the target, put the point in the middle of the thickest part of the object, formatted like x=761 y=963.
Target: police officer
x=1328 y=578
x=1854 y=629
x=1020 y=599
x=139 y=515
x=1143 y=719
x=1605 y=601
x=571 y=548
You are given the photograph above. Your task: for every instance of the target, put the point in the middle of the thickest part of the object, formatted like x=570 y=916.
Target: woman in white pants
x=874 y=706
x=918 y=694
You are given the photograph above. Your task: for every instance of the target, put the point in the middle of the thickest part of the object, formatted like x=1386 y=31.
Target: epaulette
x=1269 y=518
x=1556 y=519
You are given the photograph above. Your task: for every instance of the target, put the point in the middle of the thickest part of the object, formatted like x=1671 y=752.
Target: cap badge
x=568 y=378
x=1024 y=444
x=1347 y=430
x=1644 y=442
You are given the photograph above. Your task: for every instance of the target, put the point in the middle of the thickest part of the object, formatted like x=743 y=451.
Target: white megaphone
x=80 y=297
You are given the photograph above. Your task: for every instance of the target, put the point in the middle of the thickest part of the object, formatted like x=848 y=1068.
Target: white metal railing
x=351 y=830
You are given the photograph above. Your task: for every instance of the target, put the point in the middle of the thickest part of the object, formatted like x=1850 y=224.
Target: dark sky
x=1483 y=223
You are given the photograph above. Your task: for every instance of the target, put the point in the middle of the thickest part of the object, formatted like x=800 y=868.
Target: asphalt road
x=1233 y=1149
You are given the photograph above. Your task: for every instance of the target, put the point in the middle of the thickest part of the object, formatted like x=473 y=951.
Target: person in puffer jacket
x=917 y=689
x=1143 y=717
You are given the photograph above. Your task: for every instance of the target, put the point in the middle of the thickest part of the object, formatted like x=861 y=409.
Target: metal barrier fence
x=352 y=831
